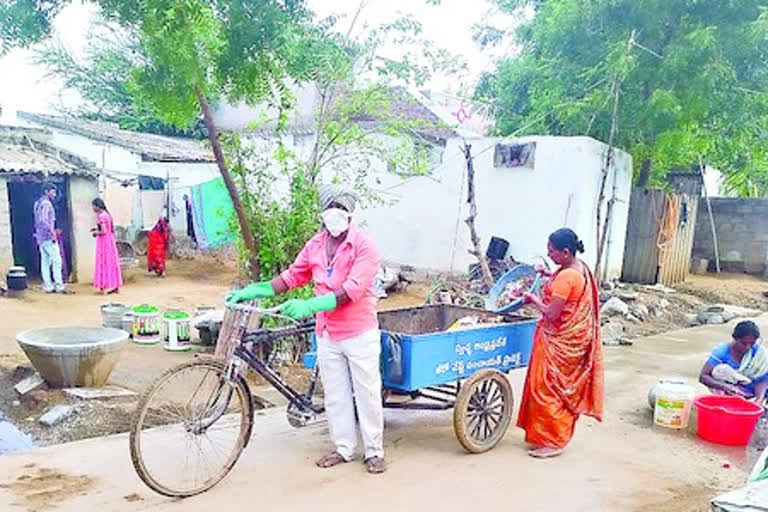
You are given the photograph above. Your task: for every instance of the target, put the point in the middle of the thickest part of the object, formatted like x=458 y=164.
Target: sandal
x=545 y=452
x=330 y=460
x=375 y=465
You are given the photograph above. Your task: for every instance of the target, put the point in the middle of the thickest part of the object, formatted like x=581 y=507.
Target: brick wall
x=6 y=251
x=742 y=233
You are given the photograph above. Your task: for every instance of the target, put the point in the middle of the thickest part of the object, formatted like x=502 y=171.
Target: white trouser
x=347 y=366
x=50 y=261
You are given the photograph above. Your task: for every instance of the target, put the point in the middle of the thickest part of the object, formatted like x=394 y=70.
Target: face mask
x=336 y=221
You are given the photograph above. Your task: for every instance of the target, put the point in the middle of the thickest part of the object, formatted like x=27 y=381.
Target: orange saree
x=565 y=373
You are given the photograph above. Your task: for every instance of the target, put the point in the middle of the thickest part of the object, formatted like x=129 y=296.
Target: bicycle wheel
x=190 y=428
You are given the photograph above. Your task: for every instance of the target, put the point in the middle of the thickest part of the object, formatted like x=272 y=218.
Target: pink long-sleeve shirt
x=352 y=269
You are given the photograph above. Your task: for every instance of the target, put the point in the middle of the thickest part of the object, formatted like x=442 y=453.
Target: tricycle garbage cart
x=426 y=364
x=193 y=422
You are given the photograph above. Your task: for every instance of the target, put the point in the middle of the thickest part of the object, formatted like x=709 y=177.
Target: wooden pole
x=606 y=169
x=711 y=217
x=245 y=228
x=477 y=252
x=609 y=157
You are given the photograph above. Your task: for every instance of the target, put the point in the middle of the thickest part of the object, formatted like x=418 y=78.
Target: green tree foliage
x=25 y=22
x=283 y=221
x=102 y=79
x=693 y=77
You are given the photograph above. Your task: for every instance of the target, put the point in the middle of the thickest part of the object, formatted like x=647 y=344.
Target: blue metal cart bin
x=424 y=365
x=417 y=361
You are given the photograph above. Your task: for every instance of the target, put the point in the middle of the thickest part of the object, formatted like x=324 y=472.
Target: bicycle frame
x=439 y=397
x=301 y=400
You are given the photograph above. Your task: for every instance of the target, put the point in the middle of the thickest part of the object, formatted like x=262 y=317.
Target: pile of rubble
x=49 y=416
x=628 y=311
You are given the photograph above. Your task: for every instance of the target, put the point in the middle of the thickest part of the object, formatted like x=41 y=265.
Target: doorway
x=23 y=191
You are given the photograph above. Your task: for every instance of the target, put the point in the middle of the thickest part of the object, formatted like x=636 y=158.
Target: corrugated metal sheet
x=641 y=254
x=644 y=262
x=675 y=259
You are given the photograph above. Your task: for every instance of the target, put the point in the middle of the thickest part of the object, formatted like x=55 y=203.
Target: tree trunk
x=477 y=252
x=645 y=173
x=245 y=227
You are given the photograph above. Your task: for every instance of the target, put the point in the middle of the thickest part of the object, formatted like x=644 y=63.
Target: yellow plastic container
x=674 y=399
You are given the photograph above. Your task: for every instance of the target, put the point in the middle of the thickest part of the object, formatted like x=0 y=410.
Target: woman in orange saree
x=565 y=373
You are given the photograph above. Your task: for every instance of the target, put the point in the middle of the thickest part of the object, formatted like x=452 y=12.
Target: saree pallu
x=565 y=373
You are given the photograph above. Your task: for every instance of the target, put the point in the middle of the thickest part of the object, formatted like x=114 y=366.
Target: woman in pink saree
x=107 y=277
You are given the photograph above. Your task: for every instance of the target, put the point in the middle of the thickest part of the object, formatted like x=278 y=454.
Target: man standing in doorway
x=47 y=241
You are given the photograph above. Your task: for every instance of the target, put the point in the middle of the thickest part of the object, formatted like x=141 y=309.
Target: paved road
x=622 y=464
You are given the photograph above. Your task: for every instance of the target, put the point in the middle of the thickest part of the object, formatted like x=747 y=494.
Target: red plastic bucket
x=726 y=419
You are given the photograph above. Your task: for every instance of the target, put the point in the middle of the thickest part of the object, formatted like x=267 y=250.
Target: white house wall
x=618 y=189
x=421 y=222
x=425 y=226
x=241 y=116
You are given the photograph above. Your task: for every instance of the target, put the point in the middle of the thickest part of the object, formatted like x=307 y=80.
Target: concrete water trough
x=73 y=356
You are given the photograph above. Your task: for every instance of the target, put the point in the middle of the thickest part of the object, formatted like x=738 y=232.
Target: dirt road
x=621 y=464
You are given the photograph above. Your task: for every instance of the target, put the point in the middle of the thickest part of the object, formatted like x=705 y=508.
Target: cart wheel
x=483 y=410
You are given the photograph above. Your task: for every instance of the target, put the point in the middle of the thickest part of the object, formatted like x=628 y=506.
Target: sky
x=25 y=86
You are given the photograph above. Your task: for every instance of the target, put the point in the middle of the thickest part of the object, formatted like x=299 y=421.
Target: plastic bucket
x=672 y=404
x=728 y=420
x=177 y=335
x=146 y=325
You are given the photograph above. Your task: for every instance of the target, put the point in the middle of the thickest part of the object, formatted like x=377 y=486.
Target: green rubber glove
x=262 y=290
x=298 y=308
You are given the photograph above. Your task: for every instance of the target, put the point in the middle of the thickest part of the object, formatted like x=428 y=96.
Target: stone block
x=611 y=333
x=56 y=415
x=615 y=306
x=99 y=393
x=29 y=384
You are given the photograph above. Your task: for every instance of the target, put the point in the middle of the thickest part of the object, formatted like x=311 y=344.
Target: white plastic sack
x=725 y=373
x=751 y=498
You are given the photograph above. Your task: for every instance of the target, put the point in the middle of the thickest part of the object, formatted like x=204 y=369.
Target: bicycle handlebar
x=250 y=308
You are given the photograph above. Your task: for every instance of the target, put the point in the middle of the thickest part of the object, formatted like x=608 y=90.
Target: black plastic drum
x=16 y=279
x=497 y=248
